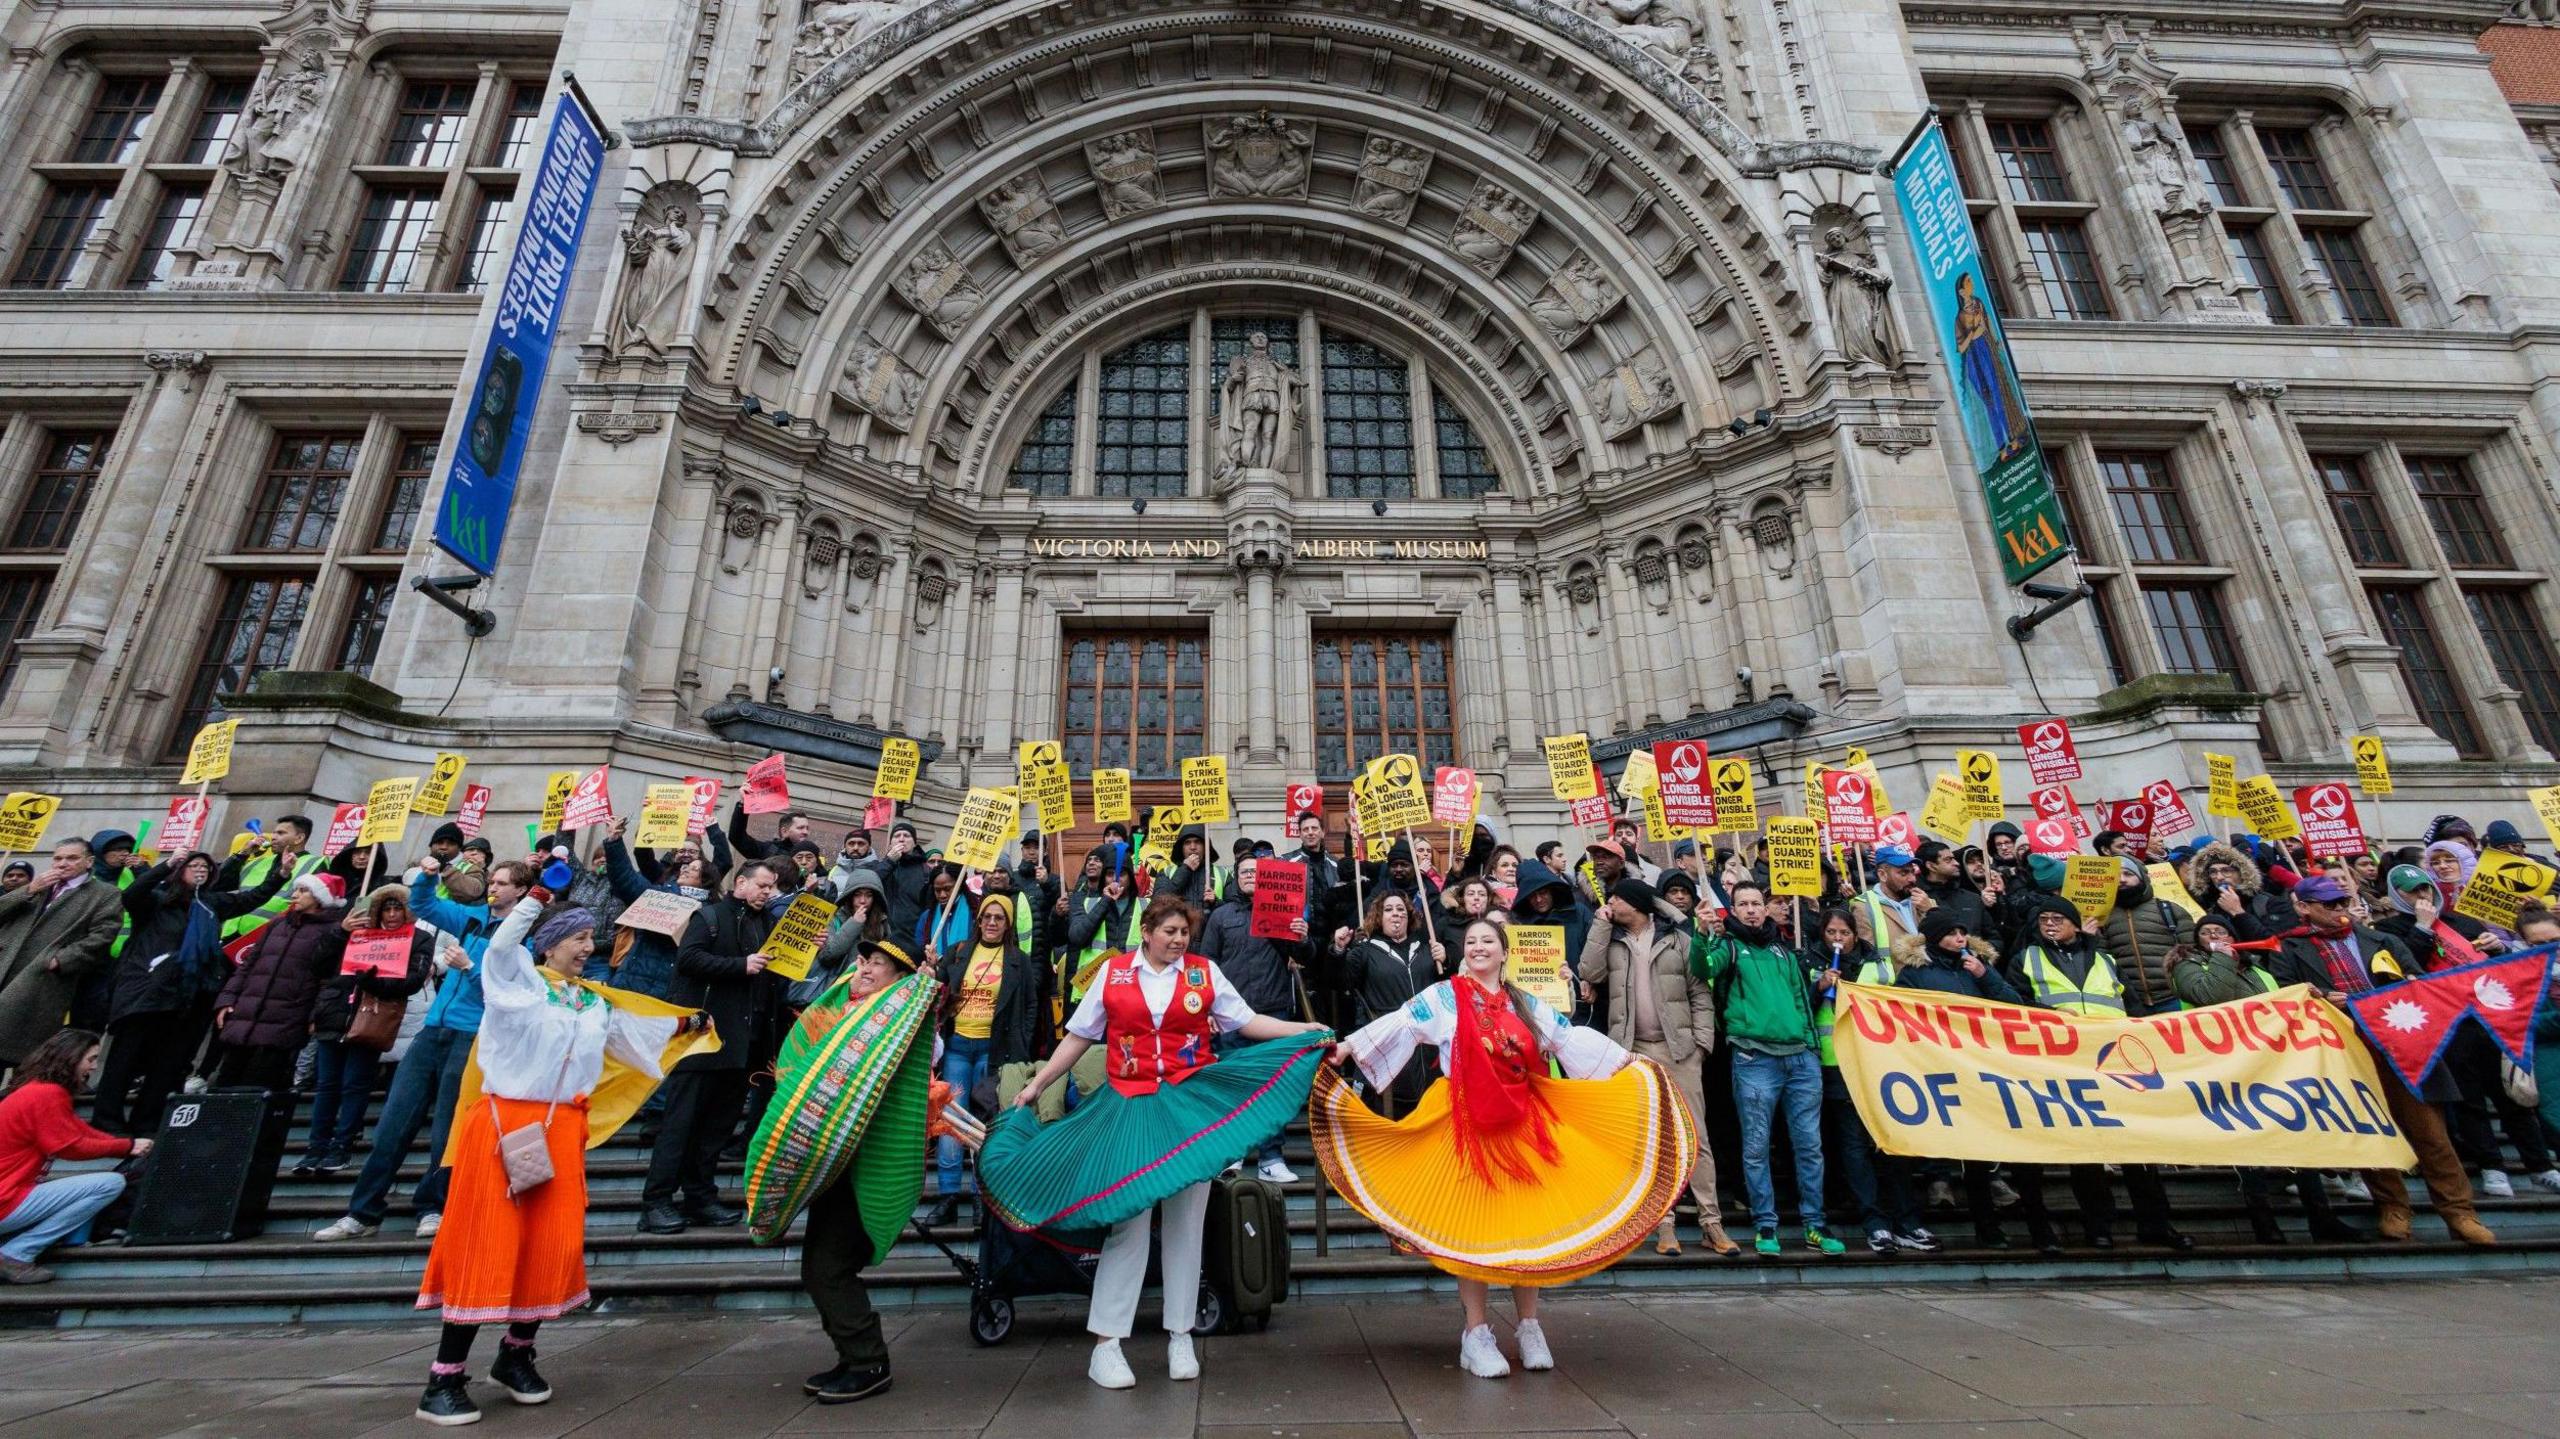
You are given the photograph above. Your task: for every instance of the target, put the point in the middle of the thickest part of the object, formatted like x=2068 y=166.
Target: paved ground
x=2476 y=1359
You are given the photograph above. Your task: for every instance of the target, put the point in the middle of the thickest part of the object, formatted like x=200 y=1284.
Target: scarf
x=200 y=958
x=1492 y=1098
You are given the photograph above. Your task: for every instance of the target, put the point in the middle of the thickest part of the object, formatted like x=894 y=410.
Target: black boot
x=714 y=1215
x=2326 y=1226
x=515 y=1370
x=662 y=1219
x=945 y=1212
x=2040 y=1234
x=2262 y=1222
x=448 y=1401
x=848 y=1384
x=1989 y=1236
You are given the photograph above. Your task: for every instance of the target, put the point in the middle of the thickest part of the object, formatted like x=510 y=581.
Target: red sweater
x=38 y=1127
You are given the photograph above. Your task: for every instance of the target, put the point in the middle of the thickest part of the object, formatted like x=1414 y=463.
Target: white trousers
x=1122 y=1274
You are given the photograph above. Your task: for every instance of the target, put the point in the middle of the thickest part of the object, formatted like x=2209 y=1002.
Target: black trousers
x=149 y=1057
x=2473 y=1058
x=269 y=1067
x=832 y=1255
x=703 y=1106
x=2090 y=1185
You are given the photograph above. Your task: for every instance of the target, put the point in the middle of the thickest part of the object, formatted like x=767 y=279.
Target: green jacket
x=1764 y=992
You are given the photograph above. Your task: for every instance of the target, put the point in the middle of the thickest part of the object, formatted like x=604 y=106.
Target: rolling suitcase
x=1244 y=1256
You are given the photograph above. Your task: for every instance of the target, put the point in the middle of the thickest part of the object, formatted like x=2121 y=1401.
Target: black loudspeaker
x=212 y=1168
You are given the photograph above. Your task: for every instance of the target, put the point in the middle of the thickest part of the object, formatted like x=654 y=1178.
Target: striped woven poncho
x=849 y=1091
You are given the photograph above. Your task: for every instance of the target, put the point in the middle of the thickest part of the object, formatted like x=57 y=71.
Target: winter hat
x=2320 y=889
x=2446 y=826
x=2211 y=920
x=330 y=890
x=476 y=845
x=2501 y=832
x=2045 y=904
x=386 y=894
x=1683 y=847
x=15 y=866
x=2407 y=879
x=903 y=824
x=2046 y=872
x=1938 y=923
x=446 y=833
x=563 y=923
x=1635 y=892
x=2002 y=827
x=1677 y=879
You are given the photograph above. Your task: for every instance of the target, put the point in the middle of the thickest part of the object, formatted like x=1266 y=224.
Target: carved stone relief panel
x=1490 y=227
x=1124 y=172
x=1391 y=175
x=1024 y=218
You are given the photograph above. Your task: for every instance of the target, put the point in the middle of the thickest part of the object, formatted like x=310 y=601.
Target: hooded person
x=1193 y=875
x=1546 y=897
x=907 y=874
x=172 y=968
x=111 y=864
x=2140 y=931
x=2222 y=878
x=861 y=918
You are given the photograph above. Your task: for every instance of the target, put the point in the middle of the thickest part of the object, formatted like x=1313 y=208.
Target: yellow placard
x=2502 y=886
x=1395 y=798
x=663 y=811
x=386 y=810
x=2280 y=1079
x=1737 y=802
x=1795 y=857
x=1163 y=828
x=1204 y=789
x=1658 y=827
x=1111 y=804
x=1816 y=808
x=555 y=799
x=436 y=795
x=2373 y=764
x=896 y=777
x=2263 y=806
x=1536 y=963
x=1978 y=770
x=1859 y=762
x=1569 y=766
x=2089 y=883
x=797 y=934
x=1641 y=776
x=209 y=753
x=23 y=816
x=982 y=828
x=2546 y=803
x=2222 y=787
x=1947 y=815
x=1041 y=778
x=2165 y=884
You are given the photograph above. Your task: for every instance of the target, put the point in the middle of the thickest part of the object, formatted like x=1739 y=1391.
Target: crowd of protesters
x=199 y=969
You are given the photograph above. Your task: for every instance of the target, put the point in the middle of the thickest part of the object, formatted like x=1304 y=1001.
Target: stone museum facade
x=1288 y=381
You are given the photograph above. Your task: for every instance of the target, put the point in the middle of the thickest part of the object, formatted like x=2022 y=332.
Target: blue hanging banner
x=483 y=460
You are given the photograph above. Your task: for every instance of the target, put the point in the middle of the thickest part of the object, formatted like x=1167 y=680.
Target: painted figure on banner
x=1987 y=398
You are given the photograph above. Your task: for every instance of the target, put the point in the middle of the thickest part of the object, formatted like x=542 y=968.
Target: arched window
x=1466 y=467
x=1143 y=446
x=1368 y=421
x=1046 y=464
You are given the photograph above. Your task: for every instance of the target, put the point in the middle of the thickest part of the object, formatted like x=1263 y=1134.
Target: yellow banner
x=2263 y=806
x=1569 y=766
x=2222 y=788
x=436 y=795
x=896 y=777
x=1816 y=807
x=1795 y=858
x=209 y=753
x=1658 y=828
x=386 y=810
x=2502 y=886
x=663 y=810
x=1737 y=807
x=1946 y=814
x=555 y=799
x=2165 y=884
x=1111 y=797
x=1163 y=828
x=797 y=936
x=1536 y=964
x=2546 y=803
x=23 y=816
x=1042 y=780
x=2279 y=1080
x=980 y=831
x=2089 y=882
x=1394 y=798
x=1641 y=775
x=1978 y=770
x=1204 y=789
x=2373 y=764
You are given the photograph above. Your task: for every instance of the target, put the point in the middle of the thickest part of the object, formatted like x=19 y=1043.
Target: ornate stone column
x=1625 y=625
x=1004 y=658
x=889 y=627
x=1512 y=584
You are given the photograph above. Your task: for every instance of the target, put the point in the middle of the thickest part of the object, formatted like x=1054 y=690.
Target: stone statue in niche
x=2160 y=158
x=1391 y=176
x=1578 y=293
x=875 y=381
x=1257 y=411
x=1666 y=28
x=836 y=26
x=276 y=136
x=1259 y=156
x=1857 y=292
x=940 y=288
x=1639 y=389
x=1024 y=218
x=657 y=260
x=1490 y=227
x=1124 y=173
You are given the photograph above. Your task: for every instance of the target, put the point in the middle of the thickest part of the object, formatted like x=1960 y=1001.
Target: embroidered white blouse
x=542 y=1040
x=1384 y=1044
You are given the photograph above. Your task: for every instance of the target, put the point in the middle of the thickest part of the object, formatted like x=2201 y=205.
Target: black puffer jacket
x=271 y=994
x=156 y=974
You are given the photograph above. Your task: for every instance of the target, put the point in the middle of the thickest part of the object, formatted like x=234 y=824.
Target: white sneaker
x=344 y=1227
x=1480 y=1356
x=2495 y=1184
x=1110 y=1368
x=2546 y=1180
x=1278 y=1173
x=1534 y=1353
x=1181 y=1360
x=428 y=1224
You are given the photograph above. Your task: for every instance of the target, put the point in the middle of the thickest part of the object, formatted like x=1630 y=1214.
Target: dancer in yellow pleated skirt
x=1502 y=1174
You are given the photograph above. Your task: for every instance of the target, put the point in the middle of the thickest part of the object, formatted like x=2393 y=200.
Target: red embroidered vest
x=1143 y=1054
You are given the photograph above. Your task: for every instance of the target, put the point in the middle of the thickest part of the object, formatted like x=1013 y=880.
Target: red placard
x=1305 y=799
x=768 y=789
x=880 y=813
x=1688 y=782
x=1850 y=802
x=1453 y=795
x=2170 y=816
x=2055 y=802
x=1279 y=897
x=473 y=810
x=706 y=803
x=2054 y=835
x=183 y=830
x=1896 y=829
x=378 y=951
x=1593 y=812
x=2127 y=817
x=344 y=826
x=2051 y=756
x=2329 y=824
x=591 y=803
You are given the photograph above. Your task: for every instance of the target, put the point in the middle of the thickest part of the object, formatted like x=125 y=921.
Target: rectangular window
x=1382 y=694
x=480 y=267
x=2187 y=620
x=112 y=135
x=362 y=638
x=2357 y=509
x=70 y=216
x=217 y=120
x=2109 y=646
x=2029 y=164
x=385 y=253
x=1047 y=461
x=2359 y=293
x=59 y=493
x=1134 y=700
x=2143 y=492
x=2251 y=262
x=1368 y=421
x=2523 y=655
x=2403 y=615
x=254 y=632
x=516 y=138
x=2060 y=249
x=22 y=598
x=1466 y=467
x=1145 y=430
x=301 y=493
x=2296 y=161
x=406 y=497
x=173 y=228
x=2213 y=161
x=429 y=125
x=2458 y=511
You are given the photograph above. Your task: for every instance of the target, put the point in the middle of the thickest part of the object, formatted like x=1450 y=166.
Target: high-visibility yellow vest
x=2104 y=994
x=1878 y=972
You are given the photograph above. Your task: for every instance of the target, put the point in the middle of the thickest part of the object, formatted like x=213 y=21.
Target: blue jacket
x=457 y=1004
x=649 y=965
x=1572 y=911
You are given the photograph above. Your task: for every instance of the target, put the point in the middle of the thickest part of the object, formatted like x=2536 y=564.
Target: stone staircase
x=284 y=1276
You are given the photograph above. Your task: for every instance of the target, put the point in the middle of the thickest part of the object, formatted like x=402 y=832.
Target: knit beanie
x=1938 y=923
